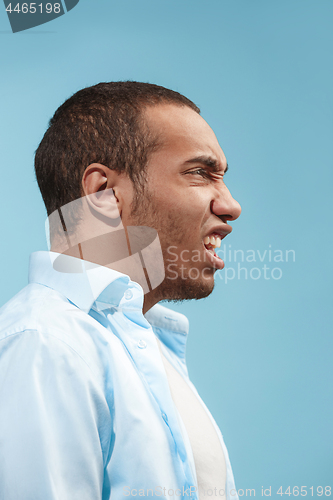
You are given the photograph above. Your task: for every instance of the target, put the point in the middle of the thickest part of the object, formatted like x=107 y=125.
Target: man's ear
x=99 y=184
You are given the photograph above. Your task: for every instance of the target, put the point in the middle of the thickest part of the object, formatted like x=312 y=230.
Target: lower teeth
x=211 y=250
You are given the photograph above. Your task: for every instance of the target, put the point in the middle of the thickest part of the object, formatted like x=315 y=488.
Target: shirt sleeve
x=53 y=421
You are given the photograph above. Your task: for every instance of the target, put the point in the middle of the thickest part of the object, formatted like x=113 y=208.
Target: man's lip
x=222 y=232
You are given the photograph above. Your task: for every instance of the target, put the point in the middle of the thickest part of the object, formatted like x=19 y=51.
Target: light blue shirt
x=85 y=406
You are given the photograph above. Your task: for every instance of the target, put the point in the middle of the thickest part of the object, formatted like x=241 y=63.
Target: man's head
x=165 y=168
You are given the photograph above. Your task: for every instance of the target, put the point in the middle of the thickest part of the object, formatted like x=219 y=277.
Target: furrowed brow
x=209 y=162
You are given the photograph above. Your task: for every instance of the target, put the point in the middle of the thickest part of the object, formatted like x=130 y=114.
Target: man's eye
x=199 y=171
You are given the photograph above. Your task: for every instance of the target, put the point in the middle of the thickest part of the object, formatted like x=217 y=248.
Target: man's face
x=185 y=200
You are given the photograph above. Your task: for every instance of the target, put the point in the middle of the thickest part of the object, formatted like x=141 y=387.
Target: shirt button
x=142 y=344
x=165 y=417
x=128 y=294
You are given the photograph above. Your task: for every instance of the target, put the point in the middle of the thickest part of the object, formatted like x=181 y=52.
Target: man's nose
x=225 y=206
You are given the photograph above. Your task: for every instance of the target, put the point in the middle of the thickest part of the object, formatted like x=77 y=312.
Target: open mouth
x=212 y=242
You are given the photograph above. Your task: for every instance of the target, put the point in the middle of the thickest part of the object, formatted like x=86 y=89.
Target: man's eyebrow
x=209 y=161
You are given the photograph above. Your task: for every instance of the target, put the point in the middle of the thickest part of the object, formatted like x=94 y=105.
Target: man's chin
x=186 y=289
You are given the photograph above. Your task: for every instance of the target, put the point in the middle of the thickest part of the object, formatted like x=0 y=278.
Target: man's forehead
x=170 y=117
x=183 y=129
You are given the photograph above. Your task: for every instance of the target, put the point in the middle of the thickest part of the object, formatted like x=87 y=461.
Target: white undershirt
x=207 y=450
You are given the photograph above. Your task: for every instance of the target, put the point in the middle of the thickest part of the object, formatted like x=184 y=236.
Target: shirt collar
x=89 y=285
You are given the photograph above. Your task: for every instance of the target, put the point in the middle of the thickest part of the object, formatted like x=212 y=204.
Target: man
x=95 y=397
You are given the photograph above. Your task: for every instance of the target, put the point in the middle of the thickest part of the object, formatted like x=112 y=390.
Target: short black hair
x=99 y=124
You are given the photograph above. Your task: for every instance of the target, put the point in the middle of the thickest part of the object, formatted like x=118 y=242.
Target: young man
x=96 y=402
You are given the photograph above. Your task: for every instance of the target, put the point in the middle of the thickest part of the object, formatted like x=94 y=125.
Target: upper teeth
x=214 y=241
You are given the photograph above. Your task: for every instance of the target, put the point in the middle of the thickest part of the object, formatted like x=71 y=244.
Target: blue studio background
x=260 y=347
